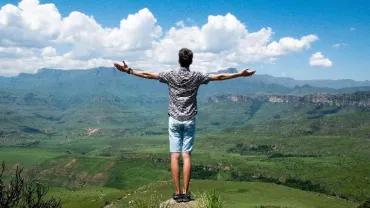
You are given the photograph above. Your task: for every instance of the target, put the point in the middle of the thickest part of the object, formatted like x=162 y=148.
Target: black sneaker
x=186 y=197
x=177 y=197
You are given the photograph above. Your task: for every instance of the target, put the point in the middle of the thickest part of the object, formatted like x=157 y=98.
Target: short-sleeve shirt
x=183 y=86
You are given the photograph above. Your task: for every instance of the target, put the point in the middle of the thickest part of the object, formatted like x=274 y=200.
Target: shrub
x=243 y=149
x=153 y=202
x=366 y=204
x=210 y=200
x=22 y=194
x=204 y=173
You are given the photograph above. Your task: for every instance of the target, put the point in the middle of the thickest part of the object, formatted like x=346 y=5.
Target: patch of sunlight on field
x=26 y=157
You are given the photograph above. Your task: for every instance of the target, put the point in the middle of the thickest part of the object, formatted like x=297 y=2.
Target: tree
x=23 y=194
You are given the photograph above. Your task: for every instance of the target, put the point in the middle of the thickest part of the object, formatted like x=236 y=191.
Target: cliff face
x=360 y=99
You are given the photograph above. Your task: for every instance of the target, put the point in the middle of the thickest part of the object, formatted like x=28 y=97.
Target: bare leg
x=187 y=171
x=175 y=170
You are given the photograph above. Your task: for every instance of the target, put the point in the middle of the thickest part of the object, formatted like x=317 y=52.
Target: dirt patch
x=83 y=175
x=99 y=176
x=110 y=166
x=91 y=131
x=15 y=166
x=68 y=165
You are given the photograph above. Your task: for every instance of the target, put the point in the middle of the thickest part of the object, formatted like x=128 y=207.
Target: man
x=183 y=86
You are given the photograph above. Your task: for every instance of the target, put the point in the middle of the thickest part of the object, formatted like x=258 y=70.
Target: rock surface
x=173 y=204
x=361 y=99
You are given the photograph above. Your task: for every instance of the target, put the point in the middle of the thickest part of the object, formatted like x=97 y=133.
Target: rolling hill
x=99 y=135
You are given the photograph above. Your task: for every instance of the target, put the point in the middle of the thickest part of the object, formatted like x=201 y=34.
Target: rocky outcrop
x=173 y=204
x=360 y=99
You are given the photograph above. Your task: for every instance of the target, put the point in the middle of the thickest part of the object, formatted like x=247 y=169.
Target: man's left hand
x=123 y=68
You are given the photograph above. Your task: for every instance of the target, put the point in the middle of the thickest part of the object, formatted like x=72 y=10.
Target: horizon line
x=12 y=76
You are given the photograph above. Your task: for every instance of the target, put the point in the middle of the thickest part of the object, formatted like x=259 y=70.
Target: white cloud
x=225 y=42
x=317 y=59
x=352 y=29
x=221 y=33
x=338 y=45
x=38 y=33
x=15 y=52
x=30 y=24
x=136 y=33
x=49 y=52
x=180 y=24
x=10 y=66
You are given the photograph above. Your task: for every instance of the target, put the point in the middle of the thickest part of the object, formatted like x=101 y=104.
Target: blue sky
x=341 y=28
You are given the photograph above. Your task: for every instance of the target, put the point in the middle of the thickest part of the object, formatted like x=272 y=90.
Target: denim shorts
x=181 y=134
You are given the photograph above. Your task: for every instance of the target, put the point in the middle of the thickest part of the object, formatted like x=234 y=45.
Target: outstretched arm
x=220 y=77
x=142 y=74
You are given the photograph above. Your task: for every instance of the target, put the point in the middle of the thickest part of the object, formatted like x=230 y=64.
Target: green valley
x=99 y=138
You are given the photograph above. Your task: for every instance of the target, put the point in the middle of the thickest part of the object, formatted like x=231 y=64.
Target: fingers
x=124 y=63
x=247 y=70
x=251 y=73
x=248 y=73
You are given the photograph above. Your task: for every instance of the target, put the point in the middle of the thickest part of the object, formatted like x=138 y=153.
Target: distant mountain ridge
x=267 y=79
x=335 y=84
x=290 y=82
x=79 y=85
x=228 y=70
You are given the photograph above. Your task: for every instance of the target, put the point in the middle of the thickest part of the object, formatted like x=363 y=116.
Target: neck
x=186 y=68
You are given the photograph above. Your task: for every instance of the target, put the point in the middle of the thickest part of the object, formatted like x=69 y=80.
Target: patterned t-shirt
x=183 y=86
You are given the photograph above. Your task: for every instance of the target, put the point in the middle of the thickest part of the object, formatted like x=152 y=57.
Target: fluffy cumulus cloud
x=35 y=35
x=49 y=52
x=225 y=42
x=318 y=60
x=89 y=39
x=29 y=24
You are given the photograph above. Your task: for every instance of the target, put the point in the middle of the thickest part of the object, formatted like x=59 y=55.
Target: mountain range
x=108 y=80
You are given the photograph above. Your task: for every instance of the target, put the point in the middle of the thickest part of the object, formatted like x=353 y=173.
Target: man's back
x=183 y=87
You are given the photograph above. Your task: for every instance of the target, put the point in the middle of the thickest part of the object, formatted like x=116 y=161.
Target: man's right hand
x=123 y=68
x=247 y=73
x=220 y=77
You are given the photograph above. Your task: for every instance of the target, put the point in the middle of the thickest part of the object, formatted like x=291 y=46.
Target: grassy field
x=26 y=157
x=244 y=195
x=339 y=176
x=86 y=197
x=296 y=149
